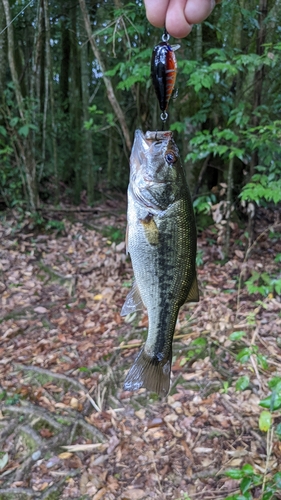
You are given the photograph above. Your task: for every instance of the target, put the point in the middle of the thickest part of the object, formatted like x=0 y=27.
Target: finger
x=156 y=12
x=196 y=11
x=176 y=21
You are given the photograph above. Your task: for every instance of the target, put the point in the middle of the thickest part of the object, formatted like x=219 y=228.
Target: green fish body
x=161 y=241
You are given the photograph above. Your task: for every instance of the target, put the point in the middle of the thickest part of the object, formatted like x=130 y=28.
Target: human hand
x=178 y=16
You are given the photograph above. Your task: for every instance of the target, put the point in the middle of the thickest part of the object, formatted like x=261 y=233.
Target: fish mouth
x=143 y=141
x=158 y=136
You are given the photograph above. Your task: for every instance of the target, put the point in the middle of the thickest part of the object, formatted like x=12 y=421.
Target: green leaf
x=275 y=383
x=244 y=355
x=234 y=473
x=277 y=479
x=200 y=342
x=246 y=484
x=14 y=121
x=262 y=361
x=248 y=470
x=236 y=336
x=3 y=395
x=278 y=431
x=3 y=131
x=268 y=495
x=277 y=258
x=4 y=460
x=273 y=402
x=24 y=130
x=242 y=383
x=265 y=421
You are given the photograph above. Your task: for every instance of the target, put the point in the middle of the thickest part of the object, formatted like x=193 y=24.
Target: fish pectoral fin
x=133 y=301
x=150 y=373
x=193 y=294
x=151 y=230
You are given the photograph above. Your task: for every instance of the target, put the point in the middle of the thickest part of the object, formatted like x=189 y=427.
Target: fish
x=163 y=72
x=161 y=240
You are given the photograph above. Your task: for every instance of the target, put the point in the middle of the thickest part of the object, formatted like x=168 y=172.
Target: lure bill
x=163 y=73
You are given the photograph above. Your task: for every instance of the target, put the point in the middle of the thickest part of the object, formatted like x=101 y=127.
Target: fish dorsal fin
x=133 y=301
x=193 y=294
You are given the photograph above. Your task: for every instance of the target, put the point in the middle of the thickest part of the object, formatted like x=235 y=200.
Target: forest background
x=75 y=84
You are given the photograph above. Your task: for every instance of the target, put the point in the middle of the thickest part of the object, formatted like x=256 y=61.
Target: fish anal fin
x=150 y=229
x=133 y=301
x=150 y=373
x=193 y=294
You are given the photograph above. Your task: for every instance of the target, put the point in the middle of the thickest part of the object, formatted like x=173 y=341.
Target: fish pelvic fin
x=150 y=373
x=133 y=301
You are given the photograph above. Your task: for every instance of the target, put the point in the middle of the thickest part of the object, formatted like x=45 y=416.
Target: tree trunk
x=88 y=135
x=258 y=81
x=49 y=85
x=3 y=56
x=109 y=88
x=75 y=111
x=65 y=57
x=258 y=76
x=199 y=43
x=27 y=145
x=228 y=206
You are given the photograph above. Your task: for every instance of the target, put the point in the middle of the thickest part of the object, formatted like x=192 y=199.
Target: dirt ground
x=67 y=428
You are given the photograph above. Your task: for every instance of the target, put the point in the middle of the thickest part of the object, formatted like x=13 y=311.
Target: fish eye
x=170 y=157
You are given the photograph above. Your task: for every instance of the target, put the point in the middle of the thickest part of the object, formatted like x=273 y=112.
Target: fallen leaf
x=3 y=461
x=99 y=296
x=135 y=494
x=74 y=403
x=65 y=455
x=41 y=310
x=140 y=413
x=82 y=447
x=99 y=494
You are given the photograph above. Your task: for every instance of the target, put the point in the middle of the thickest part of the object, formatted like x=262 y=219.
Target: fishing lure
x=163 y=72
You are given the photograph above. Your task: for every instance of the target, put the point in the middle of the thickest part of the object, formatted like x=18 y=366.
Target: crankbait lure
x=163 y=72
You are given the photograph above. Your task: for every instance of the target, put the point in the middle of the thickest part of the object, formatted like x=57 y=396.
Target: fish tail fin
x=150 y=373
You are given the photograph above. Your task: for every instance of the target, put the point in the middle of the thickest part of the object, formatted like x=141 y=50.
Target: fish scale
x=162 y=245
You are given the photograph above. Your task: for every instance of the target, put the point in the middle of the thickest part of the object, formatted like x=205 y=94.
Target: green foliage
x=214 y=113
x=113 y=234
x=57 y=225
x=242 y=383
x=273 y=401
x=196 y=350
x=249 y=480
x=265 y=421
x=278 y=431
x=235 y=336
x=199 y=258
x=203 y=204
x=264 y=284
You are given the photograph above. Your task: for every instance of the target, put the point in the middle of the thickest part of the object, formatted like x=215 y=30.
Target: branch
x=110 y=92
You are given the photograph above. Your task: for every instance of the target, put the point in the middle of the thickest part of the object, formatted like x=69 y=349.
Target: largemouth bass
x=161 y=240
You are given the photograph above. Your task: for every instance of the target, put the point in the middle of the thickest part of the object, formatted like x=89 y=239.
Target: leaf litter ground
x=67 y=429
